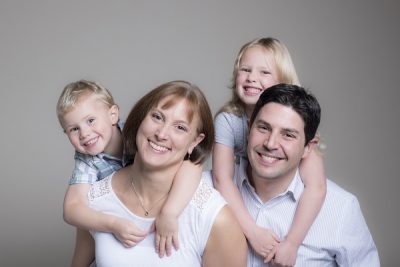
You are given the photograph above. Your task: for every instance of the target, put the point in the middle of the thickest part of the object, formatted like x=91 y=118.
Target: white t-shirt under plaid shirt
x=89 y=169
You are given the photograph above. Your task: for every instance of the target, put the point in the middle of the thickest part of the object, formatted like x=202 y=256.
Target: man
x=285 y=119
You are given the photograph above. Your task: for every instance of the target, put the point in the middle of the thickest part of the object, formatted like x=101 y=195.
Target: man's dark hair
x=296 y=97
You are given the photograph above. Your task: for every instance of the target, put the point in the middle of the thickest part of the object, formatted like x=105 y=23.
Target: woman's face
x=166 y=135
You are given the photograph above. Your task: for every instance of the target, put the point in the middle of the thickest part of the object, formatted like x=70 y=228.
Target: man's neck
x=268 y=188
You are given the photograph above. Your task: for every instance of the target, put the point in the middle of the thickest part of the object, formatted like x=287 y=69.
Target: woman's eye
x=156 y=116
x=182 y=128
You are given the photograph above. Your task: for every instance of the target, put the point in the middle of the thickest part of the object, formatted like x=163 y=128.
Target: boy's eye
x=74 y=129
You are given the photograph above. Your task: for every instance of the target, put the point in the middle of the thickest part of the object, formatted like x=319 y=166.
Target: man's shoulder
x=339 y=197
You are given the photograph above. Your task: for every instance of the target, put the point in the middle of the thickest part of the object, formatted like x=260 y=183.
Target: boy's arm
x=78 y=213
x=262 y=240
x=310 y=203
x=185 y=184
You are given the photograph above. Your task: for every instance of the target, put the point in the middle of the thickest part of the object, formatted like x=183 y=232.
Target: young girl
x=260 y=64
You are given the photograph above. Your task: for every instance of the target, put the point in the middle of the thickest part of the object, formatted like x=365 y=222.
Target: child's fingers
x=168 y=245
x=175 y=241
x=157 y=243
x=270 y=256
x=161 y=251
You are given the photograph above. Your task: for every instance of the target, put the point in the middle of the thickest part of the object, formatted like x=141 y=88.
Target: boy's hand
x=285 y=254
x=127 y=232
x=166 y=234
x=263 y=241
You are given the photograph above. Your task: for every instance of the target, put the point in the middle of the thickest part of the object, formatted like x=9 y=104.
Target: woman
x=170 y=124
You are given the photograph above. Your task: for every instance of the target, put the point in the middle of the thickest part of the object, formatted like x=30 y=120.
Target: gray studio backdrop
x=346 y=52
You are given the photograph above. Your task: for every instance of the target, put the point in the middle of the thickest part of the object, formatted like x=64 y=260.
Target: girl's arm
x=185 y=184
x=262 y=240
x=78 y=213
x=226 y=245
x=310 y=203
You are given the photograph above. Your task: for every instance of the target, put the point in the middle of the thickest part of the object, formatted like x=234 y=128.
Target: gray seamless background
x=346 y=52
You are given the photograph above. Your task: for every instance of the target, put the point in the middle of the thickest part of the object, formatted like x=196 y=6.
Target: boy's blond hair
x=283 y=62
x=73 y=91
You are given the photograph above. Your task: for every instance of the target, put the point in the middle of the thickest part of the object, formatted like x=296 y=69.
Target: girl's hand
x=285 y=254
x=263 y=241
x=166 y=235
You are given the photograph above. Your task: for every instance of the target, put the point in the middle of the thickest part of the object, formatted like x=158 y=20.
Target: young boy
x=89 y=117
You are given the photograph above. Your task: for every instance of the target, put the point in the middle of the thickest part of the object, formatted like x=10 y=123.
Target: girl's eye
x=244 y=69
x=265 y=72
x=91 y=121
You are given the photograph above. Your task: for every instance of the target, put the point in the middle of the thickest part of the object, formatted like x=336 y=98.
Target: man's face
x=276 y=142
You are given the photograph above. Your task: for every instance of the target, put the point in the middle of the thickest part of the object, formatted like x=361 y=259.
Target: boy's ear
x=114 y=114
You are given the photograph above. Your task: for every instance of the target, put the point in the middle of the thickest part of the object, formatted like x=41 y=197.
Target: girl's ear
x=195 y=142
x=114 y=114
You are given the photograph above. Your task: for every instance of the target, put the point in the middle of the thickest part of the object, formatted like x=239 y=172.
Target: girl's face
x=257 y=71
x=166 y=134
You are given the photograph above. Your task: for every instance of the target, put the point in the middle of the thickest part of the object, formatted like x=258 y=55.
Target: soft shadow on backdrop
x=346 y=52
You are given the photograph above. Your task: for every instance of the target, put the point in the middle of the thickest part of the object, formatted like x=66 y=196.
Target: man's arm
x=358 y=247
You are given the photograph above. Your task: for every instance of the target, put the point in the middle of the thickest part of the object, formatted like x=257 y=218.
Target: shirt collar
x=295 y=188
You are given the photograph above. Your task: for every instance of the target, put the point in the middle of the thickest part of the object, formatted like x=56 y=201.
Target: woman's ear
x=114 y=114
x=195 y=142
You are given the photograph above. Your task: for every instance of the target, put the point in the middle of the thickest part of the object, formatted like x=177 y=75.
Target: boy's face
x=89 y=125
x=276 y=143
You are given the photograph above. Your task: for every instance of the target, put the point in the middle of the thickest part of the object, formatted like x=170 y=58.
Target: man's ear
x=114 y=114
x=307 y=149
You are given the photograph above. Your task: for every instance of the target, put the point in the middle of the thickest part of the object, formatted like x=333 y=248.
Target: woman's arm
x=223 y=163
x=185 y=184
x=310 y=203
x=78 y=213
x=84 y=249
x=226 y=245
